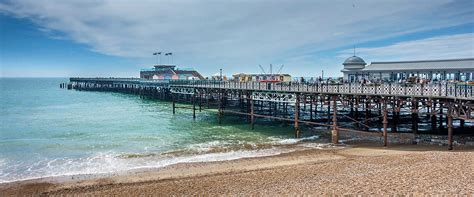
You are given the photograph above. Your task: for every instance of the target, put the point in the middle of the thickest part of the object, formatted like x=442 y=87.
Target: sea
x=46 y=131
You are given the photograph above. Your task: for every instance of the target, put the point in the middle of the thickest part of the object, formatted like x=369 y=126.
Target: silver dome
x=354 y=60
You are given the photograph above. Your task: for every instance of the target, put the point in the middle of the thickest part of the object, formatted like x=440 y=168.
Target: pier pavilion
x=168 y=72
x=243 y=77
x=355 y=69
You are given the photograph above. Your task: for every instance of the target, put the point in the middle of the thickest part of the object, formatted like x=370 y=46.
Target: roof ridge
x=417 y=61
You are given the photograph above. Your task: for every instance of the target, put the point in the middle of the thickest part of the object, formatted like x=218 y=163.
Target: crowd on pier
x=410 y=80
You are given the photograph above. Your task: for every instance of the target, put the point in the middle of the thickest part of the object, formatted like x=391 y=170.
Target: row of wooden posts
x=196 y=98
x=334 y=126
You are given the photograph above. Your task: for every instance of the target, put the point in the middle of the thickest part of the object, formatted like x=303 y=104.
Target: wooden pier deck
x=339 y=107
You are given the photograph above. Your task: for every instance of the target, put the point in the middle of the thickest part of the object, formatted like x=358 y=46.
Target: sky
x=117 y=38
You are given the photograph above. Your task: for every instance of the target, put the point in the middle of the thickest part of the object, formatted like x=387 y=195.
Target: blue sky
x=117 y=38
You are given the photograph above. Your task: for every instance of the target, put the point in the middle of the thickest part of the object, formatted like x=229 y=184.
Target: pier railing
x=450 y=90
x=441 y=90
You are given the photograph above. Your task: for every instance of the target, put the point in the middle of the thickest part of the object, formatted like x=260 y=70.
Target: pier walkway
x=434 y=90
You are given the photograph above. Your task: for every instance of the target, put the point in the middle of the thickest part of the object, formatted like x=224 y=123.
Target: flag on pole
x=157 y=53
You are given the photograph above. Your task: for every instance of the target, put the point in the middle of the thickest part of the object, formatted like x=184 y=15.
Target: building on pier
x=355 y=69
x=168 y=72
x=243 y=77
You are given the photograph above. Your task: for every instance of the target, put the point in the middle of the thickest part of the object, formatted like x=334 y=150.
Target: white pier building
x=355 y=69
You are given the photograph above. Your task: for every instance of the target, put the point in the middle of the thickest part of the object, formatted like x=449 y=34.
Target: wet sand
x=360 y=169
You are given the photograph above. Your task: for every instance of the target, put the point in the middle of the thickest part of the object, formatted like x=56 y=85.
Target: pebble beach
x=401 y=170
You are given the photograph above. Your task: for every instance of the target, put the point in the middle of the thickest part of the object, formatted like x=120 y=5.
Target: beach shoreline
x=358 y=168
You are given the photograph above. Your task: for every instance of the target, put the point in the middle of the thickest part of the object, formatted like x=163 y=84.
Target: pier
x=385 y=108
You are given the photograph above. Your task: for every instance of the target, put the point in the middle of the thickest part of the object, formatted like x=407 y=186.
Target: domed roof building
x=355 y=69
x=354 y=62
x=352 y=65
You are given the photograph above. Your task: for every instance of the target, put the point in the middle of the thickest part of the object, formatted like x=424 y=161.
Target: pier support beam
x=297 y=111
x=440 y=116
x=200 y=102
x=174 y=103
x=334 y=132
x=194 y=105
x=433 y=115
x=329 y=112
x=221 y=103
x=450 y=128
x=396 y=115
x=367 y=112
x=385 y=123
x=356 y=113
x=311 y=108
x=252 y=117
x=414 y=117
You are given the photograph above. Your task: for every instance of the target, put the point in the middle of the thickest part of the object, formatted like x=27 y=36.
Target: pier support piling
x=440 y=116
x=334 y=132
x=194 y=105
x=221 y=103
x=385 y=124
x=297 y=111
x=252 y=118
x=450 y=128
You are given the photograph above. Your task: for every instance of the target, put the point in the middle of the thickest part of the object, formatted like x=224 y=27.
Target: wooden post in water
x=450 y=128
x=385 y=123
x=200 y=101
x=219 y=113
x=252 y=118
x=194 y=104
x=440 y=116
x=433 y=115
x=396 y=115
x=334 y=132
x=329 y=113
x=315 y=100
x=174 y=104
x=352 y=100
x=414 y=116
x=367 y=111
x=356 y=115
x=311 y=108
x=247 y=96
x=297 y=111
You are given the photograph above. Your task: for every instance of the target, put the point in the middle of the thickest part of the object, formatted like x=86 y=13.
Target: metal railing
x=451 y=90
x=447 y=90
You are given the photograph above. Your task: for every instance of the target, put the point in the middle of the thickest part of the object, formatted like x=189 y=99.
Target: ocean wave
x=3 y=163
x=114 y=162
x=289 y=141
x=320 y=146
x=109 y=162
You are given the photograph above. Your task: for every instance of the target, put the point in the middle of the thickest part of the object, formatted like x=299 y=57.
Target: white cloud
x=238 y=35
x=440 y=47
